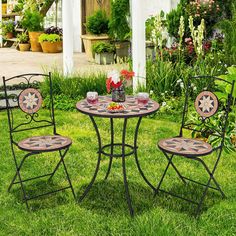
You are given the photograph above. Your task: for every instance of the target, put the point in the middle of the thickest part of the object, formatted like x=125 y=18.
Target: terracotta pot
x=24 y=47
x=34 y=41
x=49 y=47
x=9 y=35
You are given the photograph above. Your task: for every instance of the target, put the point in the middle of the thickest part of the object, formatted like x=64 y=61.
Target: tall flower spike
x=181 y=31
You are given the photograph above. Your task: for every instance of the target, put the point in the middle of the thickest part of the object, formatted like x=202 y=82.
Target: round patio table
x=132 y=110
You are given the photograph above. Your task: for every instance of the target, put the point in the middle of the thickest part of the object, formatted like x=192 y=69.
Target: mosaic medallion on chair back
x=30 y=100
x=206 y=104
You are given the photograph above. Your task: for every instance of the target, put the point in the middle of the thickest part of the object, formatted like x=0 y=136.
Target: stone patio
x=13 y=62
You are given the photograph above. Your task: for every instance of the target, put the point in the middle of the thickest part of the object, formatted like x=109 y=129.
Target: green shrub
x=32 y=21
x=69 y=90
x=162 y=77
x=97 y=23
x=52 y=38
x=118 y=26
x=173 y=18
x=23 y=38
x=101 y=47
x=229 y=30
x=7 y=26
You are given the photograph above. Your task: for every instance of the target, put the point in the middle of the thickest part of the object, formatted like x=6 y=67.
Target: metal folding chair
x=206 y=105
x=29 y=100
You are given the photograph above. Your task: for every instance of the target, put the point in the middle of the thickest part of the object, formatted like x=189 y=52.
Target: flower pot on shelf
x=24 y=47
x=9 y=35
x=49 y=47
x=34 y=41
x=118 y=94
x=89 y=40
x=104 y=58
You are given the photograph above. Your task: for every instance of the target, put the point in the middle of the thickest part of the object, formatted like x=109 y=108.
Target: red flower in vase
x=116 y=79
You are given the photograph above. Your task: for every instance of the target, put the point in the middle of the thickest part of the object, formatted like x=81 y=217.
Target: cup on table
x=92 y=97
x=142 y=98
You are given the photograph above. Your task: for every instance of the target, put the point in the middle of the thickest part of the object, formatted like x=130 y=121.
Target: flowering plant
x=116 y=79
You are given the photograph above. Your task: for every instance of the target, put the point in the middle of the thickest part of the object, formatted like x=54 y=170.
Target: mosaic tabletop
x=132 y=108
x=185 y=146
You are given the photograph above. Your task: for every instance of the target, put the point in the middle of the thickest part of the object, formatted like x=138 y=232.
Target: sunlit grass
x=104 y=211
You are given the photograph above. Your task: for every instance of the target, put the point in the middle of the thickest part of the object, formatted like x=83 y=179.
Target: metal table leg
x=124 y=170
x=98 y=162
x=136 y=154
x=112 y=148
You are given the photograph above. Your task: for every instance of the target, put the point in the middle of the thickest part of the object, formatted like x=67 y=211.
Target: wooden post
x=67 y=22
x=138 y=42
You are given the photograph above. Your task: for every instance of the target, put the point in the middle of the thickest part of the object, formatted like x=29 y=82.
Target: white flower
x=151 y=92
x=194 y=88
x=163 y=104
x=114 y=75
x=179 y=81
x=181 y=85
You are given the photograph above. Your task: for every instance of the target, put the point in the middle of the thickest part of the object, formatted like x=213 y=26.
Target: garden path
x=13 y=62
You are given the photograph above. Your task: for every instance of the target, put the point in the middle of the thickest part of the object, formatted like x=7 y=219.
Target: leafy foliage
x=118 y=26
x=23 y=38
x=173 y=18
x=7 y=26
x=97 y=23
x=68 y=90
x=32 y=21
x=101 y=47
x=54 y=30
x=52 y=38
x=229 y=30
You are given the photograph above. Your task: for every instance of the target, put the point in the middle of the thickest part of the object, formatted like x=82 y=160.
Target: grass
x=104 y=211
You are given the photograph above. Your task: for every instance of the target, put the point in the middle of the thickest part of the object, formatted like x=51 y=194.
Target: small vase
x=118 y=94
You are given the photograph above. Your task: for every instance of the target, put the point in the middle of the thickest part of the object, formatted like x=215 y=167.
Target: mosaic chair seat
x=29 y=101
x=206 y=106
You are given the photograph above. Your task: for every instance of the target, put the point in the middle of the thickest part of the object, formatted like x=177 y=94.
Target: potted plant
x=104 y=53
x=51 y=43
x=33 y=22
x=23 y=40
x=119 y=29
x=97 y=28
x=8 y=28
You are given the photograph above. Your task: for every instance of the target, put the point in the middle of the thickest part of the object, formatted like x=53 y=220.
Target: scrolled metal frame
x=29 y=79
x=219 y=149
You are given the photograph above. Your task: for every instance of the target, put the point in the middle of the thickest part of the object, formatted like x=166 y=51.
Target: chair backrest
x=29 y=99
x=207 y=104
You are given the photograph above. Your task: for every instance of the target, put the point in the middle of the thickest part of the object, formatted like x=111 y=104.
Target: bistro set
x=30 y=100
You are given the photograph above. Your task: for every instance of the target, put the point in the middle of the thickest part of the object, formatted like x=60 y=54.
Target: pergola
x=139 y=13
x=140 y=10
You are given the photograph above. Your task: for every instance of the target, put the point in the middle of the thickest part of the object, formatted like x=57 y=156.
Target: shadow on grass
x=40 y=187
x=190 y=191
x=108 y=197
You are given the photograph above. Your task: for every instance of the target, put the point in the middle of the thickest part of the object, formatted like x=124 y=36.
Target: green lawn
x=104 y=211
